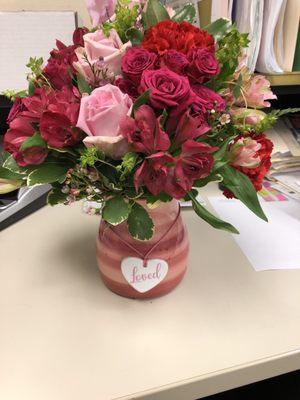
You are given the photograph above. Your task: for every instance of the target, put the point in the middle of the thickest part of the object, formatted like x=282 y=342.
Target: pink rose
x=100 y=10
x=203 y=65
x=209 y=99
x=167 y=89
x=99 y=117
x=135 y=61
x=108 y=50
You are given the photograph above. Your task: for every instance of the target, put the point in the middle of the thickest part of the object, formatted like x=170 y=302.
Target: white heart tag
x=141 y=278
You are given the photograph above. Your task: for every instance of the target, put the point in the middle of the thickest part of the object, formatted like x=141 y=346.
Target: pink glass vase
x=140 y=270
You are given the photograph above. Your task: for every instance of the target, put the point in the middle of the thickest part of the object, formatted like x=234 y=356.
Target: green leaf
x=48 y=172
x=7 y=174
x=142 y=99
x=116 y=210
x=187 y=13
x=219 y=155
x=204 y=181
x=241 y=186
x=164 y=197
x=219 y=28
x=279 y=113
x=11 y=164
x=207 y=216
x=155 y=12
x=35 y=140
x=83 y=86
x=237 y=89
x=140 y=225
x=135 y=36
x=31 y=88
x=56 y=196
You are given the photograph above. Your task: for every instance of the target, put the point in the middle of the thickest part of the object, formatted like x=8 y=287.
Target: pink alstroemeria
x=100 y=10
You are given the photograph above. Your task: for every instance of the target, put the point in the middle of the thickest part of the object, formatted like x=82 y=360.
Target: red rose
x=257 y=174
x=180 y=36
x=203 y=65
x=167 y=89
x=16 y=109
x=135 y=61
x=144 y=132
x=175 y=61
x=208 y=99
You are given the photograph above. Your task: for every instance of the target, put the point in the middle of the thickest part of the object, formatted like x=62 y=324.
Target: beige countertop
x=64 y=336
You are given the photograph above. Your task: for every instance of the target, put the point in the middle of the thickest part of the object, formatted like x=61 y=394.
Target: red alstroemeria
x=153 y=173
x=195 y=162
x=144 y=132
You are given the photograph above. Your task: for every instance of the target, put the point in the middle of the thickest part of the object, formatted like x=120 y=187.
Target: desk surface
x=64 y=336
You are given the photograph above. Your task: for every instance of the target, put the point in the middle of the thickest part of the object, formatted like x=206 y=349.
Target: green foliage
x=12 y=95
x=129 y=161
x=90 y=156
x=241 y=186
x=35 y=65
x=125 y=19
x=230 y=48
x=238 y=86
x=207 y=216
x=142 y=99
x=7 y=174
x=219 y=28
x=82 y=85
x=48 y=172
x=155 y=13
x=163 y=197
x=140 y=225
x=35 y=140
x=135 y=36
x=116 y=210
x=187 y=13
x=56 y=196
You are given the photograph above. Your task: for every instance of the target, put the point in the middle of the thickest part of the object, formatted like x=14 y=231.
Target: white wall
x=48 y=5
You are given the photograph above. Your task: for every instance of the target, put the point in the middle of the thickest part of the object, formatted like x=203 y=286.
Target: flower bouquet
x=139 y=112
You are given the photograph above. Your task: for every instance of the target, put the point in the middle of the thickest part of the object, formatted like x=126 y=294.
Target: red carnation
x=257 y=174
x=171 y=35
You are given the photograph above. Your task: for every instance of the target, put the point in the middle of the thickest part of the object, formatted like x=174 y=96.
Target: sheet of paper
x=272 y=245
x=27 y=34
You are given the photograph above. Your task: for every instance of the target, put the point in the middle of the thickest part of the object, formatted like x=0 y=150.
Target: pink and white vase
x=140 y=270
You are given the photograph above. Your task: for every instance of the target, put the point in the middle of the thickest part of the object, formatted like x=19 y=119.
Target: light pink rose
x=244 y=153
x=99 y=117
x=246 y=115
x=109 y=50
x=100 y=10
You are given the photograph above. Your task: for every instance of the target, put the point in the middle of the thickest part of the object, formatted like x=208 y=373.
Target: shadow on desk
x=283 y=387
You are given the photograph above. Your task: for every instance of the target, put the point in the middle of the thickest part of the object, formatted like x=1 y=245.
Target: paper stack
x=285 y=170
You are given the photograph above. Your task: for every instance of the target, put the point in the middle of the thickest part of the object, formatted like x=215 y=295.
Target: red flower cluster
x=171 y=35
x=257 y=174
x=54 y=113
x=61 y=61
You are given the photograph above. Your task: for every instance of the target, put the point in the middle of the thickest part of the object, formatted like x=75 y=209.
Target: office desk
x=64 y=336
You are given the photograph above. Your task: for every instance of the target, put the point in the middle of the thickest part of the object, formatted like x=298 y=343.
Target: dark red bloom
x=167 y=89
x=257 y=174
x=144 y=132
x=203 y=65
x=58 y=130
x=180 y=36
x=188 y=127
x=208 y=99
x=16 y=109
x=195 y=162
x=78 y=36
x=128 y=87
x=175 y=61
x=135 y=61
x=153 y=173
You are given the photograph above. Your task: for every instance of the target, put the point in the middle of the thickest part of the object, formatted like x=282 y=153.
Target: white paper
x=29 y=34
x=272 y=245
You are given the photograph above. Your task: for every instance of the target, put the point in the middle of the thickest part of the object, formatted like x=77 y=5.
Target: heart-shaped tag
x=144 y=278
